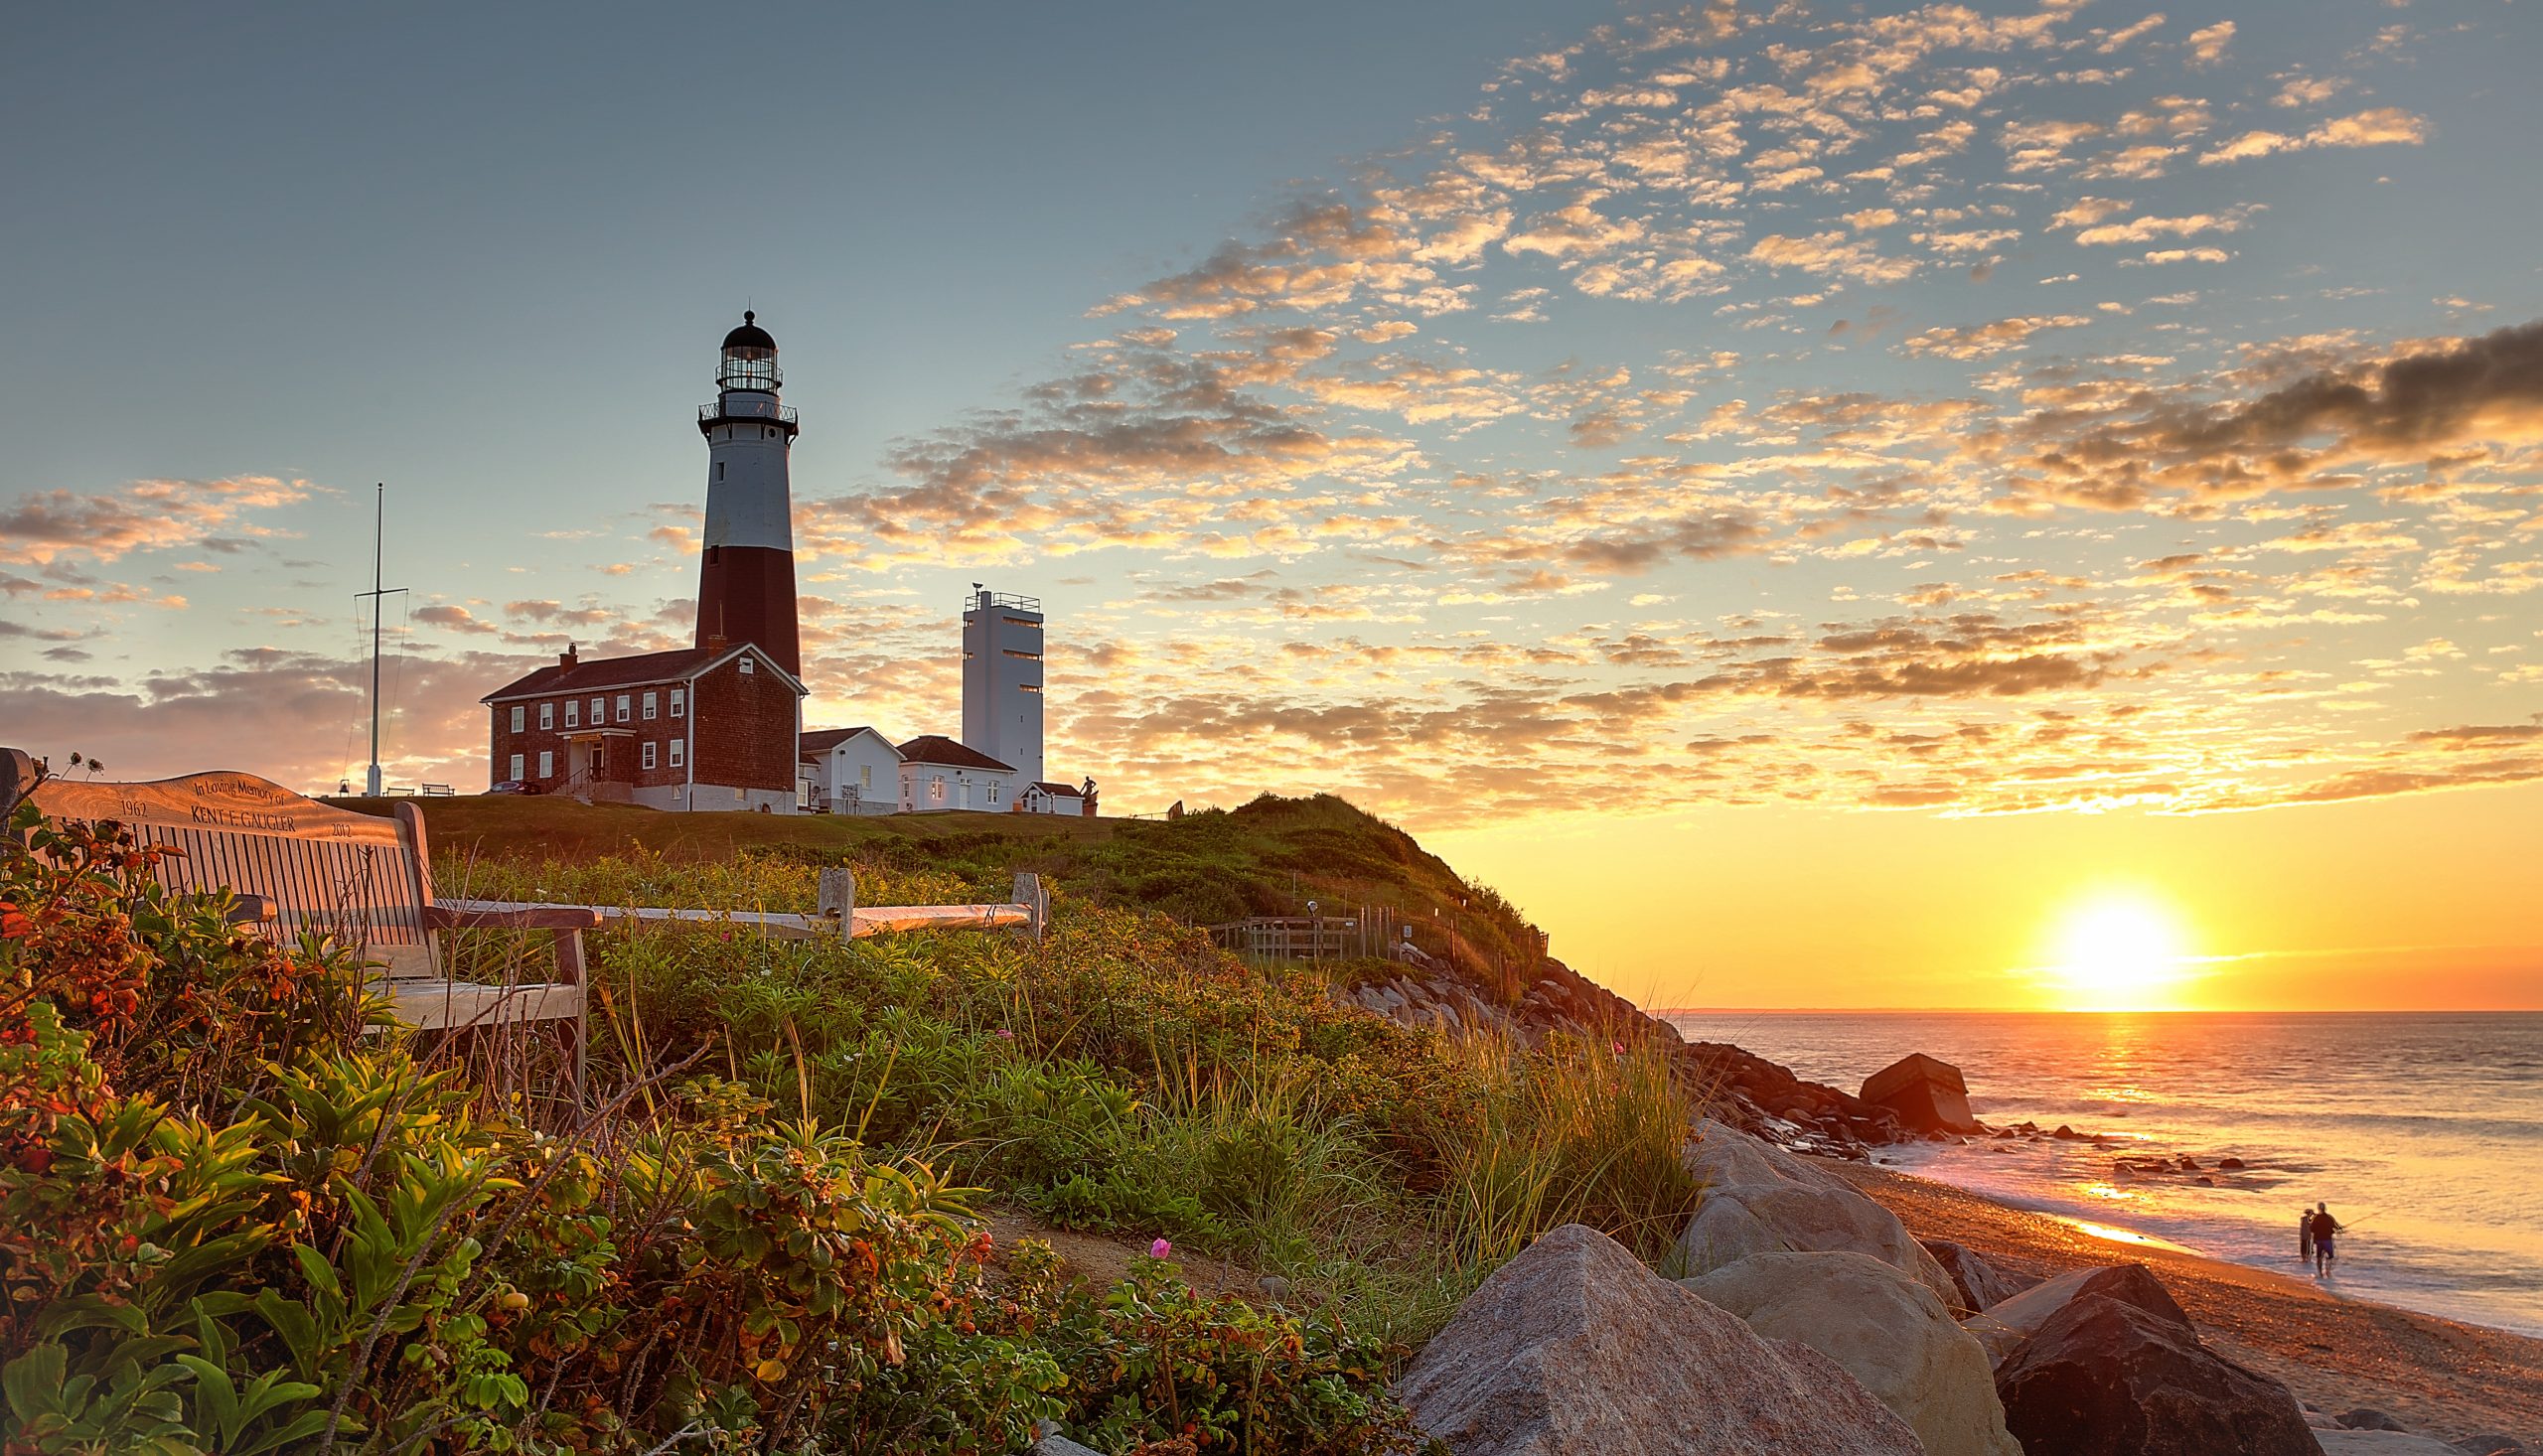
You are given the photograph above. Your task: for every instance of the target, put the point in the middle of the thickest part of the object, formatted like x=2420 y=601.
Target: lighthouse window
x=680 y=702
x=520 y=717
x=649 y=753
x=719 y=470
x=648 y=707
x=1030 y=686
x=547 y=716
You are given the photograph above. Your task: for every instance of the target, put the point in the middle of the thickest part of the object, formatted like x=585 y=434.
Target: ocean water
x=2424 y=1131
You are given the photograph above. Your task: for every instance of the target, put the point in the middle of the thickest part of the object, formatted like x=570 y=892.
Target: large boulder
x=2003 y=1326
x=1927 y=1095
x=1574 y=1348
x=1760 y=1199
x=2104 y=1378
x=1980 y=1283
x=1887 y=1330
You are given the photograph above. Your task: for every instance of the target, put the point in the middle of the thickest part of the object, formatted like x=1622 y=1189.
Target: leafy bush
x=240 y=1212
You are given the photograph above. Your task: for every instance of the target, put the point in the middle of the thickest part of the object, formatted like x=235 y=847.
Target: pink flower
x=1621 y=1049
x=1161 y=1250
x=1004 y=1035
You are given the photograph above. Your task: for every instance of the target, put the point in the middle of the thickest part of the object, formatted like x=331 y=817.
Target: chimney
x=569 y=657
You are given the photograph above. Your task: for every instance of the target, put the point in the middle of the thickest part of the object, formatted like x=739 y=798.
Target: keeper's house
x=701 y=728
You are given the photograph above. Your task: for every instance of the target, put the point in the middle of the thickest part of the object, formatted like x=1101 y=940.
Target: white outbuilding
x=938 y=774
x=851 y=770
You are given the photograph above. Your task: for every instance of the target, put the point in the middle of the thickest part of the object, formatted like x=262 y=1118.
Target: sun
x=2120 y=952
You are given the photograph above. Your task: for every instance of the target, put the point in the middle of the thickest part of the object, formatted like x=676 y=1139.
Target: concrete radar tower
x=746 y=581
x=1002 y=678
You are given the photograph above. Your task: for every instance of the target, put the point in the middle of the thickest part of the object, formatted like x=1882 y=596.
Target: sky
x=1820 y=504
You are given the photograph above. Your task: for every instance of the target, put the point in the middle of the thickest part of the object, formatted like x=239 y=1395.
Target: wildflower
x=1621 y=1049
x=1004 y=1035
x=1160 y=1249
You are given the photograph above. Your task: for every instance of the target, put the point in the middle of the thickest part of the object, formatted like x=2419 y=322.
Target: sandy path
x=2436 y=1376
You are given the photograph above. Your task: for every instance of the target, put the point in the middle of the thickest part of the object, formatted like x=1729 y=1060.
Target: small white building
x=1058 y=799
x=938 y=774
x=851 y=770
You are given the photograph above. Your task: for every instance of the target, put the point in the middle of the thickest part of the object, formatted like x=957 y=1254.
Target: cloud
x=2207 y=44
x=2147 y=229
x=2381 y=126
x=1983 y=340
x=45 y=526
x=1832 y=254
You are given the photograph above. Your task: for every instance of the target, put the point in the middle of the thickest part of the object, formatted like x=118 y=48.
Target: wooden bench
x=365 y=879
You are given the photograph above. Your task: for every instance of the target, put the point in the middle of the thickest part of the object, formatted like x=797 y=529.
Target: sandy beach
x=2435 y=1374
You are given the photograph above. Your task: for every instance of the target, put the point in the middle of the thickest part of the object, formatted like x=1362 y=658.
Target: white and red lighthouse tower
x=746 y=583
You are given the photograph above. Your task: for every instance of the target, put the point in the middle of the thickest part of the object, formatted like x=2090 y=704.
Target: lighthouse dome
x=749 y=336
x=750 y=358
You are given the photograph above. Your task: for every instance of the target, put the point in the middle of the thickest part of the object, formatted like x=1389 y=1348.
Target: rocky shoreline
x=1805 y=1315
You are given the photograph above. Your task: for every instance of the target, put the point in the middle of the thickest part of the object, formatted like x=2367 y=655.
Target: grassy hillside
x=763 y=1229
x=1269 y=857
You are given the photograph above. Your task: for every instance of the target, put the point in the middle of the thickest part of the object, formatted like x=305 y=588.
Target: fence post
x=1035 y=900
x=838 y=896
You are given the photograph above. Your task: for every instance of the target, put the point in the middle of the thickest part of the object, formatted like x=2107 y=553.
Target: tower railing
x=997 y=601
x=750 y=409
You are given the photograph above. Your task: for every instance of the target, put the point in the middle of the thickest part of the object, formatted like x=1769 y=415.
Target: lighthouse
x=746 y=581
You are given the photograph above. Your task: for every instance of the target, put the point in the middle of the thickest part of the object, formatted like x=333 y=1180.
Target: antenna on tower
x=378 y=546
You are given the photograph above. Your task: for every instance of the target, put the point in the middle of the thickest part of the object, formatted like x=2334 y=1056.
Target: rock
x=1055 y=1444
x=1887 y=1330
x=1980 y=1283
x=1574 y=1348
x=2368 y=1419
x=2003 y=1326
x=2491 y=1444
x=1927 y=1095
x=2188 y=1164
x=2382 y=1443
x=2064 y=1132
x=2106 y=1378
x=1760 y=1199
x=2232 y=1165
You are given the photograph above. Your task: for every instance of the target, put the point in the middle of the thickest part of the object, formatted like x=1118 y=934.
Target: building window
x=625 y=707
x=936 y=790
x=680 y=702
x=547 y=716
x=600 y=711
x=546 y=764
x=649 y=706
x=1028 y=657
x=748 y=666
x=719 y=470
x=680 y=752
x=520 y=717
x=573 y=712
x=993 y=791
x=515 y=773
x=649 y=753
x=1030 y=686
x=865 y=776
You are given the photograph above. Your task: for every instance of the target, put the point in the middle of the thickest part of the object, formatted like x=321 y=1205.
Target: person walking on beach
x=2325 y=1229
x=2304 y=1236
